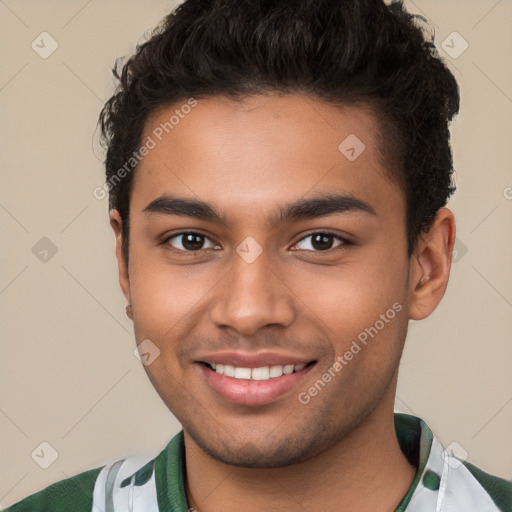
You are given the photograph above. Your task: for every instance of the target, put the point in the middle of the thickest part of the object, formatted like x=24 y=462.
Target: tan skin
x=248 y=159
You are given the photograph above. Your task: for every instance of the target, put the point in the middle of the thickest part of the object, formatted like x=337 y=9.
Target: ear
x=430 y=266
x=116 y=222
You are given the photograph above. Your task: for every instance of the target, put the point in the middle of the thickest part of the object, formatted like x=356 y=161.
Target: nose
x=252 y=296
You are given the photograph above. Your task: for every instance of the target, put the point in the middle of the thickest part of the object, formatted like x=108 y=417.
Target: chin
x=273 y=452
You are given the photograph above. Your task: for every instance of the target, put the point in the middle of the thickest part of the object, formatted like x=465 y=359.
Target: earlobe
x=430 y=267
x=116 y=223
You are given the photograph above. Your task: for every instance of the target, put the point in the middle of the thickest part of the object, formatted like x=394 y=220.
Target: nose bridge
x=251 y=296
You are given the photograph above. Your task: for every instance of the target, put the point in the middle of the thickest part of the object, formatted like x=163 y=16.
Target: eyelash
x=343 y=241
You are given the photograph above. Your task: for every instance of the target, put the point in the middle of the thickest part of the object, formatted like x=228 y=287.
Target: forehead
x=253 y=154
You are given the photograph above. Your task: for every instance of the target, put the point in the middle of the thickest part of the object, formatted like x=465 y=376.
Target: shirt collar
x=414 y=437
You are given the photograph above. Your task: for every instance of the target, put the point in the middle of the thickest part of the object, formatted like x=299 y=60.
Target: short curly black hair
x=344 y=52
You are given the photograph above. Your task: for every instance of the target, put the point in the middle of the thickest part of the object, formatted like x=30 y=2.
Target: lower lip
x=252 y=392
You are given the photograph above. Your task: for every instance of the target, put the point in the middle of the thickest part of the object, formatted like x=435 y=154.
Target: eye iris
x=192 y=241
x=321 y=241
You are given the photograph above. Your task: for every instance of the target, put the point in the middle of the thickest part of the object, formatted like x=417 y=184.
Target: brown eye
x=321 y=242
x=190 y=242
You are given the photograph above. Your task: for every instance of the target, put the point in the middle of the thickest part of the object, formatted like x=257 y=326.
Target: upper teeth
x=263 y=373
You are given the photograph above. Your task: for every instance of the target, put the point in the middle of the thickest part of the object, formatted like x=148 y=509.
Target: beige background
x=68 y=373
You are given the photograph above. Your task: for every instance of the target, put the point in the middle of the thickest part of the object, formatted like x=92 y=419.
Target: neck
x=366 y=471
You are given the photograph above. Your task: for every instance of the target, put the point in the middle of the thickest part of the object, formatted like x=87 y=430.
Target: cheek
x=347 y=299
x=362 y=307
x=374 y=322
x=165 y=297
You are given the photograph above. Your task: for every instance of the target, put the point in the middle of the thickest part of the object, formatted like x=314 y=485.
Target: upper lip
x=253 y=360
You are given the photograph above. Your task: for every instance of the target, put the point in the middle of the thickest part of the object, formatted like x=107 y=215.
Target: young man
x=278 y=172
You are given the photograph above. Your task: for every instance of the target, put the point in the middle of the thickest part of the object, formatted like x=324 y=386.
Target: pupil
x=191 y=241
x=320 y=239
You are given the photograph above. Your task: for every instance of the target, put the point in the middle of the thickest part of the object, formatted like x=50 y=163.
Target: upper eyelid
x=181 y=233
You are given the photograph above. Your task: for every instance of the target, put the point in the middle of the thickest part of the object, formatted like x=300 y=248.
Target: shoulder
x=444 y=481
x=126 y=484
x=74 y=493
x=456 y=484
x=109 y=487
x=499 y=489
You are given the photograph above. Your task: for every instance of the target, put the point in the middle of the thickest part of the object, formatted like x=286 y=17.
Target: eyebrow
x=301 y=209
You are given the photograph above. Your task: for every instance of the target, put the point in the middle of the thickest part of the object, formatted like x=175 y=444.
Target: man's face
x=256 y=290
